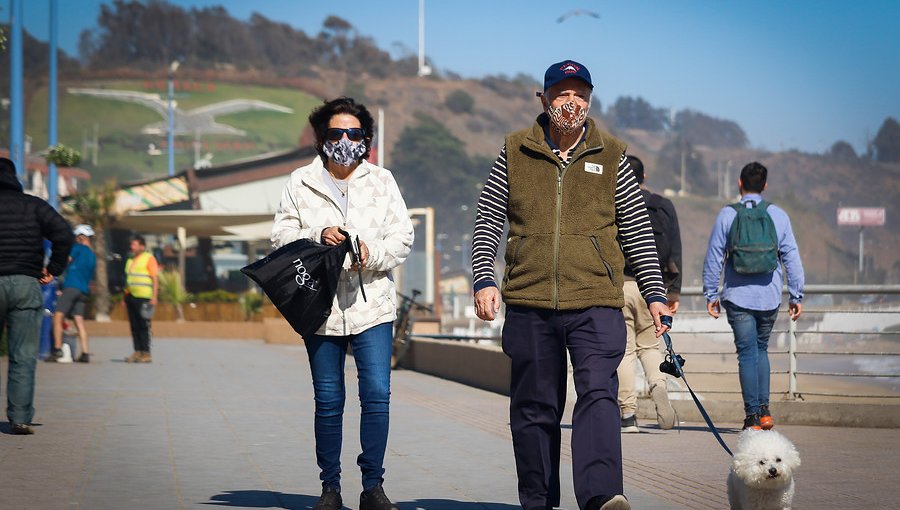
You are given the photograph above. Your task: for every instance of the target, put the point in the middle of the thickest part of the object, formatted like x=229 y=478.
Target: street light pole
x=16 y=97
x=52 y=179
x=170 y=132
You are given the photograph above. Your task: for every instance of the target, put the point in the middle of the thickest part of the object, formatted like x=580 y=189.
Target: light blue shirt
x=753 y=292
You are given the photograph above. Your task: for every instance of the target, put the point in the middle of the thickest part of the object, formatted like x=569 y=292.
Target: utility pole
x=424 y=69
x=170 y=131
x=16 y=109
x=52 y=179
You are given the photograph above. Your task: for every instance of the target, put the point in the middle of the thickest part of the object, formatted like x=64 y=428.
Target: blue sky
x=793 y=73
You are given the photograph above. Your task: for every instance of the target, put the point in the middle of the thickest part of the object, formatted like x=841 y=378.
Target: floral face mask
x=567 y=117
x=344 y=152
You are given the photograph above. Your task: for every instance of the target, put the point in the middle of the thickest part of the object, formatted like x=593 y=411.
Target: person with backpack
x=751 y=240
x=641 y=340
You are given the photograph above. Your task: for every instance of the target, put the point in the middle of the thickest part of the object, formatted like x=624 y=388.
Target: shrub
x=216 y=296
x=459 y=101
x=251 y=304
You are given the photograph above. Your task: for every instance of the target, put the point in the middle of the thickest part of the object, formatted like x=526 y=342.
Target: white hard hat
x=84 y=230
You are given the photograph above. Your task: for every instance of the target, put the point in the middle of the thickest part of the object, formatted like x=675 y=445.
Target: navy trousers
x=536 y=341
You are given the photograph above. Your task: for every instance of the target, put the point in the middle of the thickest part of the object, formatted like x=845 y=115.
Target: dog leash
x=680 y=371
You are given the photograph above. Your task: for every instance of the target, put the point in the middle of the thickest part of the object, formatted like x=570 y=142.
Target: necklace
x=343 y=190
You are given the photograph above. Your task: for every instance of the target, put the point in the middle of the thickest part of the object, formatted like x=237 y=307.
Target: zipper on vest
x=559 y=176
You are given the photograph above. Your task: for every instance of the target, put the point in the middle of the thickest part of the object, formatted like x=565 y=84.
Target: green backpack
x=752 y=240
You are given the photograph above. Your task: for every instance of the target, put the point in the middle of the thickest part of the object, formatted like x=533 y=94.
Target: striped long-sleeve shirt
x=632 y=220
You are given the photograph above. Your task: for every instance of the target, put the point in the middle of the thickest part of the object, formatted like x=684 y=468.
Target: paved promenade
x=228 y=423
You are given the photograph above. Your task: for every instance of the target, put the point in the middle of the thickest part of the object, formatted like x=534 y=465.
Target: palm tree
x=96 y=207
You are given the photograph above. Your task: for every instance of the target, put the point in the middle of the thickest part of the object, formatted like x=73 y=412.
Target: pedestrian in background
x=751 y=240
x=74 y=292
x=643 y=344
x=25 y=222
x=141 y=291
x=342 y=192
x=575 y=215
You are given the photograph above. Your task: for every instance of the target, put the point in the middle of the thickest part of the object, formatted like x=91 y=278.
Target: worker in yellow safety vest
x=141 y=290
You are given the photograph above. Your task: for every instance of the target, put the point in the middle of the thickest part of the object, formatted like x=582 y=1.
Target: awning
x=199 y=223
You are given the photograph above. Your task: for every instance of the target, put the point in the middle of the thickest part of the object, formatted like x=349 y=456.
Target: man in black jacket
x=25 y=221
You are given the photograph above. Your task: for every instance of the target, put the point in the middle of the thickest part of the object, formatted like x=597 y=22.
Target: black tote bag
x=301 y=278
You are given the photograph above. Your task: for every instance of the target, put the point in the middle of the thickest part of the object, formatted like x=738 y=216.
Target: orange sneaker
x=766 y=422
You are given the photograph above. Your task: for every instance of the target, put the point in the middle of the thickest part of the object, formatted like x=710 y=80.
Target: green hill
x=123 y=150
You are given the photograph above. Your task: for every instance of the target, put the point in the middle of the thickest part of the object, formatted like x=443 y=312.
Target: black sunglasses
x=335 y=134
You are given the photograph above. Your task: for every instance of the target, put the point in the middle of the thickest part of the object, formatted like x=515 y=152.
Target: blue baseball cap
x=566 y=69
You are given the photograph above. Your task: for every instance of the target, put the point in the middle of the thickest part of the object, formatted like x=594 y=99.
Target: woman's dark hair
x=320 y=117
x=140 y=239
x=753 y=177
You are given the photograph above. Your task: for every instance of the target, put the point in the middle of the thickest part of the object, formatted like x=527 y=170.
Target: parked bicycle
x=404 y=324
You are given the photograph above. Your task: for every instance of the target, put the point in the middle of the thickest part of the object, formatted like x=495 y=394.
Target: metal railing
x=793 y=351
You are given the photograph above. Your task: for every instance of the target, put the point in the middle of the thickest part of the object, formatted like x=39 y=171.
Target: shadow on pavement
x=270 y=499
x=449 y=504
x=263 y=499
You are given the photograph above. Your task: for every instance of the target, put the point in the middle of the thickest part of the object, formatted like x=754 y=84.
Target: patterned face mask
x=568 y=117
x=344 y=152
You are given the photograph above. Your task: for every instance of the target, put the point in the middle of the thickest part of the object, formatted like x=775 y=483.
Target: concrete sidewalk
x=229 y=423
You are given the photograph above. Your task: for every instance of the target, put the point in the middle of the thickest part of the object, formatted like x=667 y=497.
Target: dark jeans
x=21 y=304
x=372 y=352
x=140 y=327
x=751 y=338
x=536 y=340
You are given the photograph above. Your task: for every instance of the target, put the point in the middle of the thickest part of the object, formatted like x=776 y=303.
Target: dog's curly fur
x=762 y=473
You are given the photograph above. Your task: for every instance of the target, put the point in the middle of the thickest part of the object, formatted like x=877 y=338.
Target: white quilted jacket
x=376 y=213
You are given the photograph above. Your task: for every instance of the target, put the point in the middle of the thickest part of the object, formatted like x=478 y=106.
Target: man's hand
x=658 y=309
x=46 y=277
x=713 y=308
x=794 y=310
x=487 y=303
x=332 y=236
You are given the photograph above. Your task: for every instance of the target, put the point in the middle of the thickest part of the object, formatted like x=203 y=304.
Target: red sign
x=860 y=216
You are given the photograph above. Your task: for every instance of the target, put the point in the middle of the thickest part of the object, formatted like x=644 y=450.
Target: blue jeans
x=21 y=303
x=751 y=338
x=372 y=352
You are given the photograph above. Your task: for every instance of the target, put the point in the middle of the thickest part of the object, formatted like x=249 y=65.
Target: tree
x=459 y=101
x=701 y=129
x=842 y=151
x=432 y=168
x=636 y=113
x=96 y=208
x=887 y=142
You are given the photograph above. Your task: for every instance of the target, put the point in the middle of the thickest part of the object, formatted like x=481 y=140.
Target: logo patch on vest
x=593 y=168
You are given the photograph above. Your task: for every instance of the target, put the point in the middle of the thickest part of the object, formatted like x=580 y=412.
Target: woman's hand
x=332 y=236
x=363 y=255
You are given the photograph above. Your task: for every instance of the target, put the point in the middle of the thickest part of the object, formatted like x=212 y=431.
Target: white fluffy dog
x=762 y=474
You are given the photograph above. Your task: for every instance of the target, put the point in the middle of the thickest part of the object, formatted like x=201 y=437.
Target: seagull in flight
x=577 y=12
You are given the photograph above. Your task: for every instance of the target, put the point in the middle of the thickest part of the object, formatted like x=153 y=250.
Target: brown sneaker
x=144 y=357
x=21 y=429
x=133 y=358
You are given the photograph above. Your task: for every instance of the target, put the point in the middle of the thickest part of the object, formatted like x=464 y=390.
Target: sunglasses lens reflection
x=335 y=134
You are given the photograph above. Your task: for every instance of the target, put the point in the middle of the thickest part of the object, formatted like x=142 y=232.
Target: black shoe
x=84 y=358
x=55 y=354
x=330 y=500
x=374 y=499
x=617 y=502
x=752 y=422
x=630 y=425
x=21 y=429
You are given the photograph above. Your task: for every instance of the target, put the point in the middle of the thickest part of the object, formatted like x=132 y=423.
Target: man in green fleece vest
x=575 y=216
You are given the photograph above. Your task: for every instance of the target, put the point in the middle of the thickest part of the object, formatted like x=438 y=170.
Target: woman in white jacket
x=341 y=190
